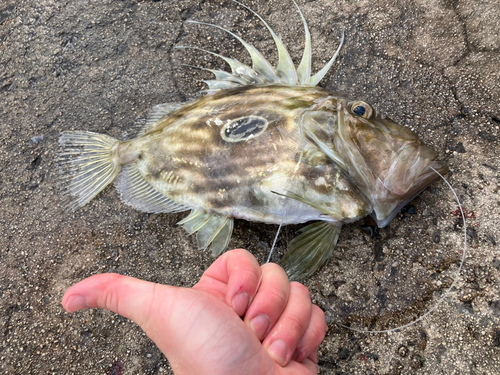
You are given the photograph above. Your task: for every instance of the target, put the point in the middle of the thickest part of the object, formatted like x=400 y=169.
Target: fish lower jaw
x=386 y=209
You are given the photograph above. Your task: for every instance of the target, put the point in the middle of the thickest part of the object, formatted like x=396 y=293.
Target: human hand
x=199 y=329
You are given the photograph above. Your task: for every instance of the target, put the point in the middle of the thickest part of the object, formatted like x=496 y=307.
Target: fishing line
x=269 y=257
x=447 y=291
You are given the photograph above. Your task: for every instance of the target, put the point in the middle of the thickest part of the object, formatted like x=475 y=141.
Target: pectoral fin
x=307 y=252
x=302 y=199
x=210 y=229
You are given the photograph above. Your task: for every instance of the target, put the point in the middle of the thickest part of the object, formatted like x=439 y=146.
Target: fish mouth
x=397 y=201
x=412 y=167
x=386 y=161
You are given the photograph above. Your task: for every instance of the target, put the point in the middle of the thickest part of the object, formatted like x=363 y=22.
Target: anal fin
x=211 y=230
x=137 y=192
x=310 y=250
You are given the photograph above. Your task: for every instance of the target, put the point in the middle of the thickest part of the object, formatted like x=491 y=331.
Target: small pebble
x=343 y=353
x=37 y=139
x=403 y=351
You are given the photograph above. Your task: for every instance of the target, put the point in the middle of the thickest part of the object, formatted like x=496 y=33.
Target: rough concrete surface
x=432 y=65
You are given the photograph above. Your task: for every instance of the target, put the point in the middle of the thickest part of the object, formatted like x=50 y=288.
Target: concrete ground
x=432 y=65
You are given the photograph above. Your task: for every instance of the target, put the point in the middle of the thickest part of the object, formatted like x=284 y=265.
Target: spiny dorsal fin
x=314 y=80
x=215 y=85
x=304 y=69
x=259 y=62
x=137 y=192
x=285 y=69
x=310 y=250
x=223 y=76
x=238 y=69
x=262 y=71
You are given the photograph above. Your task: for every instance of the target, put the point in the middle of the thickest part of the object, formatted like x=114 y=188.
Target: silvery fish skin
x=264 y=145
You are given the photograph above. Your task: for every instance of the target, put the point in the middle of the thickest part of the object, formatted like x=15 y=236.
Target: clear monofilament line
x=268 y=257
x=438 y=303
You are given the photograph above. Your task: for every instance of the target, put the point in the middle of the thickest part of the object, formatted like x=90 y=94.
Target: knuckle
x=299 y=288
x=236 y=252
x=296 y=322
x=278 y=296
x=276 y=270
x=318 y=326
x=109 y=300
x=319 y=333
x=319 y=315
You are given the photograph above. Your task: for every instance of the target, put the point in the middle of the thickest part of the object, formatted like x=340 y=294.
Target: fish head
x=386 y=161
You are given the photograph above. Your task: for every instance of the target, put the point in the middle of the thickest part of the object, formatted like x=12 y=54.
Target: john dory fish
x=265 y=144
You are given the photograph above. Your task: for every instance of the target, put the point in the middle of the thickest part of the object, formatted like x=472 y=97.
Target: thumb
x=132 y=298
x=192 y=328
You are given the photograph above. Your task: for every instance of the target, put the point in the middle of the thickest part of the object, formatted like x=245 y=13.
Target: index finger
x=232 y=278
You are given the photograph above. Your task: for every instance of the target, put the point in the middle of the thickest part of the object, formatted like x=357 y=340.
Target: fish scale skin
x=186 y=158
x=228 y=99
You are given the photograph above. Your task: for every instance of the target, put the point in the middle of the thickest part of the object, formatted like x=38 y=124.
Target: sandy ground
x=432 y=65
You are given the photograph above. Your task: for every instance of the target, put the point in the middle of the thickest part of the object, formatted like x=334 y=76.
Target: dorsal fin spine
x=304 y=69
x=262 y=72
x=260 y=63
x=286 y=69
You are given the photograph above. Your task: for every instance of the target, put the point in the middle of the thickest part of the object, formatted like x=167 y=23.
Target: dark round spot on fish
x=359 y=110
x=244 y=128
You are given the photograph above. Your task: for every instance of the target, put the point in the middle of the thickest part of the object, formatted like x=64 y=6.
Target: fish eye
x=361 y=109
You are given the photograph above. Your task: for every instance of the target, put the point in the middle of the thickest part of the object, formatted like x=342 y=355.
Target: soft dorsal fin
x=158 y=112
x=155 y=115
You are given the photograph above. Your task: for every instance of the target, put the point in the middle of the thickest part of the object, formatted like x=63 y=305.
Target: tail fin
x=86 y=166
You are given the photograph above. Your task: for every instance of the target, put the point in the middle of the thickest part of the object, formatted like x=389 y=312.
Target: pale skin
x=214 y=327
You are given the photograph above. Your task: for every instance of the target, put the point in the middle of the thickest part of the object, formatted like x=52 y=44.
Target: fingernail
x=240 y=303
x=75 y=303
x=279 y=350
x=260 y=325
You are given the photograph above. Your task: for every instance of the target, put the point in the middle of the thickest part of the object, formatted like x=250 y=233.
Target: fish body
x=189 y=158
x=264 y=145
